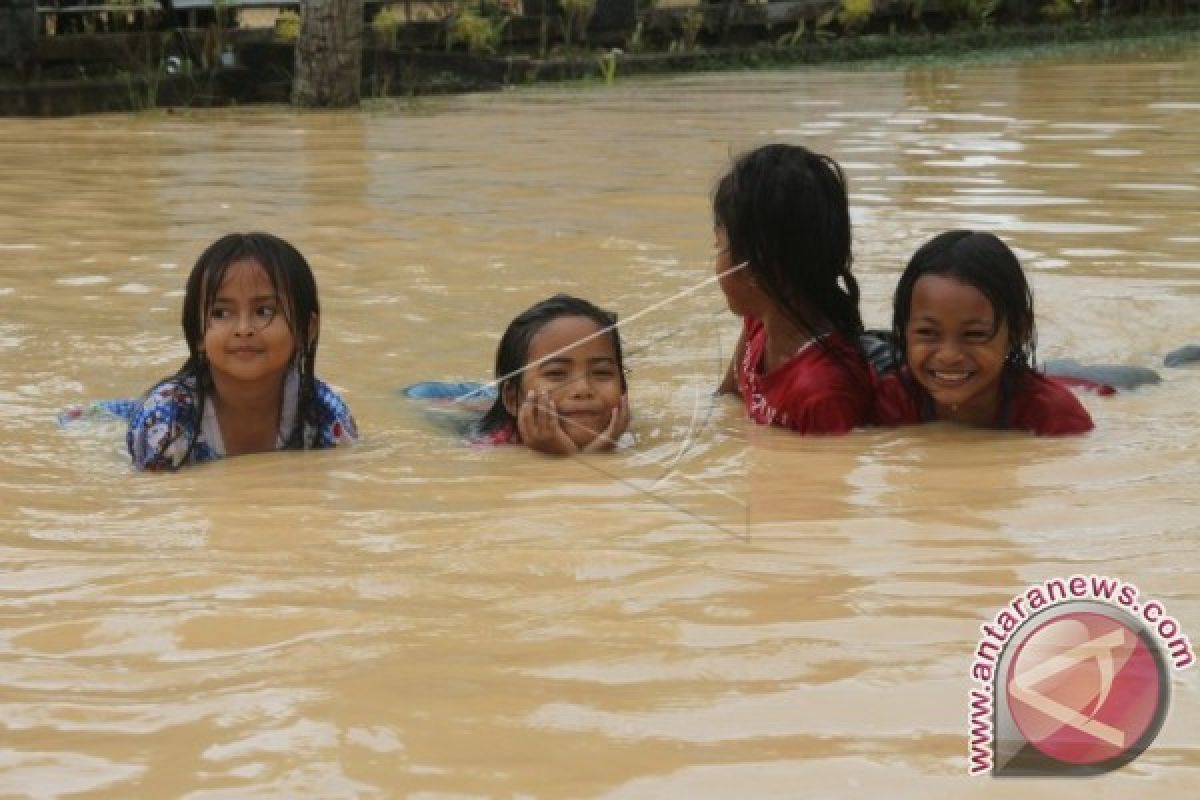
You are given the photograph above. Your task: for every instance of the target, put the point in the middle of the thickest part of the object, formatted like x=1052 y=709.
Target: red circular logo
x=1084 y=688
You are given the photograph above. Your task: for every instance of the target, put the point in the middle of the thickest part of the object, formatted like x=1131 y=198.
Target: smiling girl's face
x=247 y=336
x=956 y=349
x=582 y=377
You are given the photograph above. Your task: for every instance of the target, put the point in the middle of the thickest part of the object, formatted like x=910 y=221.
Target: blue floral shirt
x=162 y=428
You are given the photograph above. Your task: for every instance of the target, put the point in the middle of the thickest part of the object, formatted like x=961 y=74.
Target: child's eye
x=979 y=336
x=556 y=374
x=924 y=333
x=265 y=312
x=604 y=373
x=219 y=313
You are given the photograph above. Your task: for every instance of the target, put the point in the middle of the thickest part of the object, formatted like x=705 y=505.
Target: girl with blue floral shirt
x=251 y=321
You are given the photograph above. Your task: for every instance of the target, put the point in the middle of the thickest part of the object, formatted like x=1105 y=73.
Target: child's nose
x=949 y=353
x=244 y=323
x=581 y=387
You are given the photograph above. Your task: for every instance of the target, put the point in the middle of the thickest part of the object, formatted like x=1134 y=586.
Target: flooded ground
x=721 y=611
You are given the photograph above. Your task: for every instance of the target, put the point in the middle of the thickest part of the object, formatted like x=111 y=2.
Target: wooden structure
x=18 y=35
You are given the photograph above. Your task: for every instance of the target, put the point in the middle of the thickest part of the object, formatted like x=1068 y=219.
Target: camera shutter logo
x=1082 y=689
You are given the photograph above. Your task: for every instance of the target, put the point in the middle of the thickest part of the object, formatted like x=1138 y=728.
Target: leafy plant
x=287 y=27
x=855 y=14
x=146 y=70
x=982 y=11
x=386 y=26
x=978 y=12
x=794 y=38
x=607 y=63
x=821 y=27
x=636 y=42
x=143 y=87
x=693 y=23
x=576 y=14
x=477 y=34
x=1058 y=10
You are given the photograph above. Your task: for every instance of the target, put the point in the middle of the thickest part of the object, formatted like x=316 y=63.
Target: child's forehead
x=246 y=271
x=572 y=337
x=245 y=275
x=948 y=291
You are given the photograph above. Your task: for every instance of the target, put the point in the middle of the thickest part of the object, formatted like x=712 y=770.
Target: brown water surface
x=720 y=611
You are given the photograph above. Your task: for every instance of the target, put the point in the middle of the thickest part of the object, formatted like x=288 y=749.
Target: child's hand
x=607 y=440
x=540 y=428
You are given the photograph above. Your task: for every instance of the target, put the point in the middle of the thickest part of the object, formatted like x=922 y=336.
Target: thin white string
x=601 y=332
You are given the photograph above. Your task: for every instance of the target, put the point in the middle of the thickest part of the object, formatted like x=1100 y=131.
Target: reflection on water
x=723 y=611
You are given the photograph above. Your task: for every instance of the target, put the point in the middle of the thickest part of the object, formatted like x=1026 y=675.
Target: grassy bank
x=1096 y=40
x=263 y=74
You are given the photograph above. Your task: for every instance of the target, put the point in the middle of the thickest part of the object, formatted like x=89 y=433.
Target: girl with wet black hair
x=964 y=325
x=560 y=380
x=251 y=320
x=783 y=256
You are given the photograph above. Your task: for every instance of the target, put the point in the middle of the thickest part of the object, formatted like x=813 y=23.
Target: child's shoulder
x=826 y=388
x=835 y=362
x=1046 y=406
x=327 y=395
x=505 y=434
x=895 y=398
x=336 y=425
x=165 y=426
x=178 y=392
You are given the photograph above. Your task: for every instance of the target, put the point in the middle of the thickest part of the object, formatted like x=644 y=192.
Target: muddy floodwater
x=719 y=611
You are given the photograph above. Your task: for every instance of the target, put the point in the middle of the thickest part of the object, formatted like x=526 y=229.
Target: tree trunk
x=329 y=54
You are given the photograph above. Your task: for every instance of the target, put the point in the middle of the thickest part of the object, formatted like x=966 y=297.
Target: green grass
x=1126 y=38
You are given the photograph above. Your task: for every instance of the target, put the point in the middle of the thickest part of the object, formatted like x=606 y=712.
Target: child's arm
x=336 y=425
x=160 y=431
x=729 y=384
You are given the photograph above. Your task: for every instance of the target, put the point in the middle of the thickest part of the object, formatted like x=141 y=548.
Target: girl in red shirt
x=782 y=225
x=963 y=322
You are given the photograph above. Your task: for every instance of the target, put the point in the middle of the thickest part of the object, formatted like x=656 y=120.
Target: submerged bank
x=263 y=68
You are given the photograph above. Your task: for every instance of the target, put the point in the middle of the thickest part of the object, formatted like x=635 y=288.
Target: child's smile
x=952 y=380
x=956 y=350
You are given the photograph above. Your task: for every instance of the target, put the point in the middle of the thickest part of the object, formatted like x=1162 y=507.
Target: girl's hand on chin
x=540 y=428
x=607 y=440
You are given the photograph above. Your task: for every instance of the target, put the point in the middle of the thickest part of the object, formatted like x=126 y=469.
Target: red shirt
x=505 y=434
x=1040 y=404
x=824 y=388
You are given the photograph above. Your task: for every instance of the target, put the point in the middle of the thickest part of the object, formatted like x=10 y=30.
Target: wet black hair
x=985 y=262
x=785 y=212
x=512 y=354
x=294 y=285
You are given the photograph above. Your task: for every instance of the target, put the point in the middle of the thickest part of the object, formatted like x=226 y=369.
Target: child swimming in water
x=963 y=321
x=782 y=225
x=251 y=320
x=560 y=379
